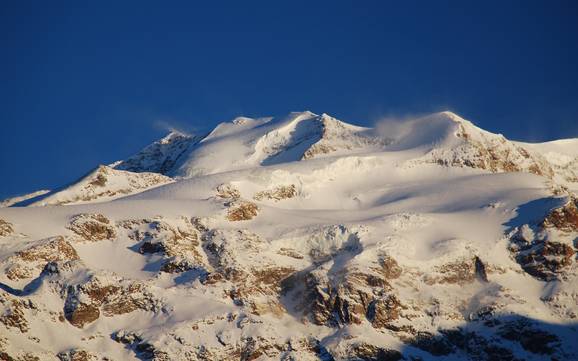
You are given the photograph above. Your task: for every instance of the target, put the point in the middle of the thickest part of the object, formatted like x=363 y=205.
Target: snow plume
x=396 y=127
x=170 y=125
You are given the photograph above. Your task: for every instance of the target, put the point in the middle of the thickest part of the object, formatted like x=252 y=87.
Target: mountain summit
x=301 y=237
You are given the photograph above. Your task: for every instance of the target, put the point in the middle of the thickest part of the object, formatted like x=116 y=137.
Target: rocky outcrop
x=228 y=191
x=78 y=355
x=30 y=261
x=543 y=248
x=92 y=227
x=5 y=228
x=546 y=260
x=459 y=272
x=255 y=287
x=178 y=242
x=349 y=296
x=276 y=194
x=103 y=183
x=487 y=151
x=159 y=157
x=12 y=314
x=564 y=218
x=242 y=211
x=86 y=302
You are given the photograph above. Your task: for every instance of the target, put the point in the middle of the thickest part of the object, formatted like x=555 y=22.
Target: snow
x=361 y=193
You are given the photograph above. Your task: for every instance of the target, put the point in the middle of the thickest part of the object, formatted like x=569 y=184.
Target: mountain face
x=302 y=238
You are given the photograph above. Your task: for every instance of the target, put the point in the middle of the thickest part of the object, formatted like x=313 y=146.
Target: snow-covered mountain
x=302 y=237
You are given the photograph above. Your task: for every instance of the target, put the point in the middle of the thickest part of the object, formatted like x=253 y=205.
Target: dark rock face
x=546 y=260
x=542 y=249
x=344 y=298
x=86 y=302
x=564 y=218
x=366 y=352
x=530 y=338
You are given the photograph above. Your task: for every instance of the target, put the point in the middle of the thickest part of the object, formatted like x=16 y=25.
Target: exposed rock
x=348 y=297
x=242 y=211
x=546 y=260
x=530 y=338
x=227 y=191
x=383 y=311
x=277 y=194
x=367 y=352
x=389 y=267
x=338 y=136
x=103 y=183
x=177 y=241
x=92 y=227
x=489 y=152
x=78 y=355
x=27 y=262
x=5 y=228
x=178 y=265
x=564 y=218
x=459 y=272
x=80 y=314
x=159 y=157
x=12 y=314
x=290 y=253
x=85 y=302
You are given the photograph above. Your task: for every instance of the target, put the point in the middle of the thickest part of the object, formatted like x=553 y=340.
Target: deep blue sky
x=89 y=82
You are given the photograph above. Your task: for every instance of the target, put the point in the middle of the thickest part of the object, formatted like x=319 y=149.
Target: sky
x=84 y=83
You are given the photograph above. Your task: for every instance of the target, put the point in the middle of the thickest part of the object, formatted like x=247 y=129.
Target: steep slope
x=102 y=184
x=23 y=198
x=160 y=156
x=268 y=141
x=303 y=238
x=453 y=141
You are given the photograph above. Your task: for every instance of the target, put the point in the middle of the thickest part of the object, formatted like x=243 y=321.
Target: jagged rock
x=564 y=218
x=383 y=311
x=102 y=183
x=92 y=227
x=367 y=352
x=78 y=355
x=541 y=249
x=5 y=228
x=277 y=194
x=290 y=253
x=458 y=272
x=178 y=242
x=12 y=314
x=389 y=267
x=530 y=338
x=23 y=263
x=159 y=157
x=80 y=314
x=85 y=302
x=546 y=260
x=348 y=297
x=489 y=152
x=227 y=191
x=178 y=265
x=242 y=211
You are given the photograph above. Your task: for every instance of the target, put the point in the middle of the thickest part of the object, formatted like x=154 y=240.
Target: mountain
x=302 y=237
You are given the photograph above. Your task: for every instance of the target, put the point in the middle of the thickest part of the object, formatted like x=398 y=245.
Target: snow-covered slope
x=302 y=238
x=101 y=184
x=246 y=143
x=159 y=157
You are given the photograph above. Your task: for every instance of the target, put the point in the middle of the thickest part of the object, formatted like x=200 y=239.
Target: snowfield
x=301 y=238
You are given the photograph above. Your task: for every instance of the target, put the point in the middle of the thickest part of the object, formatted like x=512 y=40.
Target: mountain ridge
x=302 y=238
